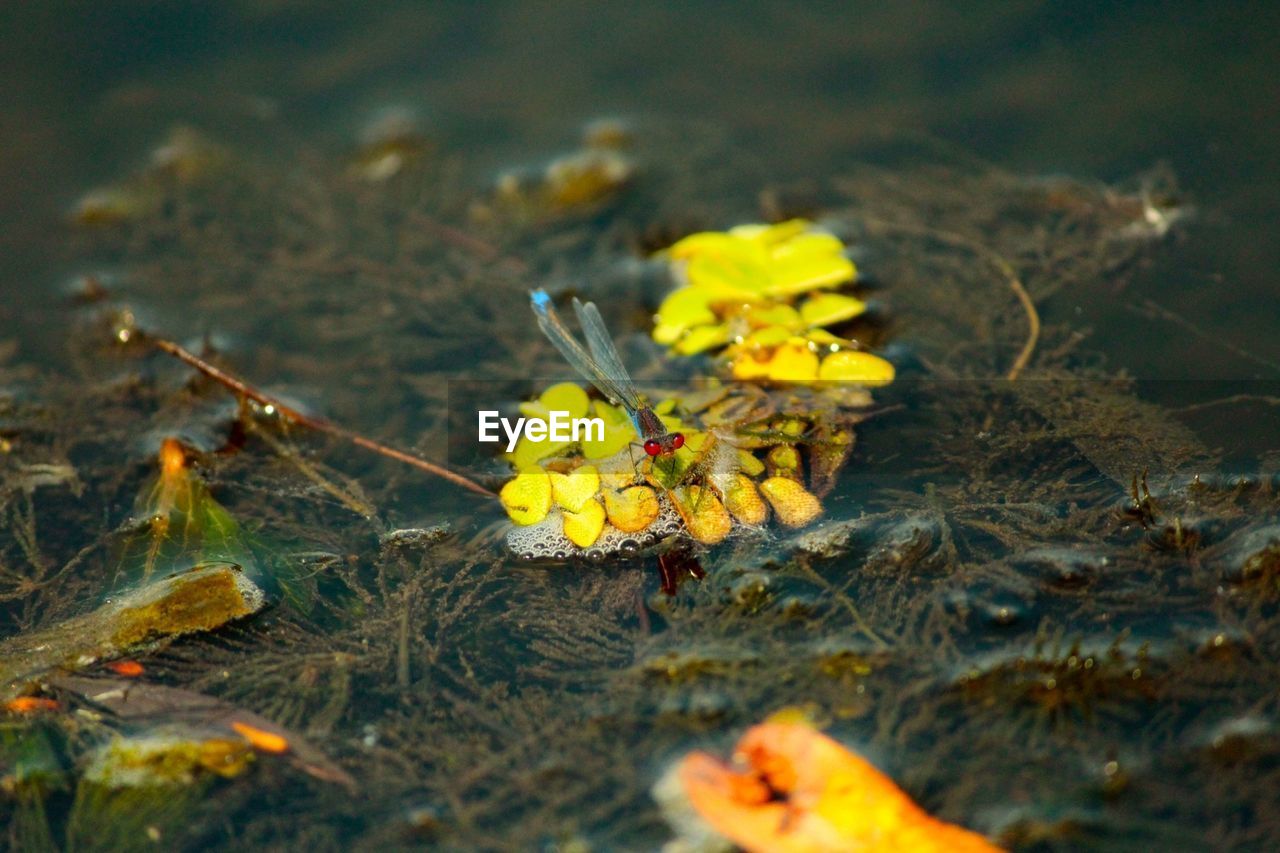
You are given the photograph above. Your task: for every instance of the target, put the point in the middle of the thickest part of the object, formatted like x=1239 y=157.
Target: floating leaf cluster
x=577 y=182
x=767 y=296
x=741 y=462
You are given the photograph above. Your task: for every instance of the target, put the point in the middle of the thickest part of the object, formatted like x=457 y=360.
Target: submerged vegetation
x=1033 y=602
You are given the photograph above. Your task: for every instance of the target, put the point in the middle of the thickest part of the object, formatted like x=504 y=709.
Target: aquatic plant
x=765 y=296
x=596 y=496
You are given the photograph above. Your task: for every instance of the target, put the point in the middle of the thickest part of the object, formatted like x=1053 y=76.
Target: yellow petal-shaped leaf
x=695 y=440
x=704 y=516
x=794 y=505
x=701 y=339
x=794 y=361
x=826 y=340
x=705 y=243
x=854 y=366
x=768 y=337
x=566 y=397
x=529 y=453
x=802 y=273
x=773 y=314
x=533 y=409
x=632 y=509
x=743 y=501
x=584 y=527
x=749 y=464
x=811 y=244
x=748 y=364
x=527 y=497
x=728 y=278
x=827 y=309
x=618 y=432
x=683 y=309
x=783 y=460
x=771 y=235
x=574 y=489
x=668 y=470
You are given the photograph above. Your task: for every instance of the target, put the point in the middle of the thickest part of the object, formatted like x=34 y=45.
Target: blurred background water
x=1092 y=89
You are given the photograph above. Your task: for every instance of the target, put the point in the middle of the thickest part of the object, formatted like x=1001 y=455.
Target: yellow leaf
x=704 y=516
x=683 y=309
x=800 y=273
x=632 y=509
x=701 y=339
x=827 y=309
x=743 y=501
x=853 y=366
x=750 y=465
x=527 y=497
x=826 y=340
x=771 y=235
x=783 y=460
x=529 y=453
x=773 y=314
x=566 y=397
x=794 y=505
x=811 y=244
x=574 y=489
x=618 y=432
x=584 y=527
x=767 y=338
x=728 y=278
x=704 y=243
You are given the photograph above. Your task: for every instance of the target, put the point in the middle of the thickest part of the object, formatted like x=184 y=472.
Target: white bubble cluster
x=546 y=540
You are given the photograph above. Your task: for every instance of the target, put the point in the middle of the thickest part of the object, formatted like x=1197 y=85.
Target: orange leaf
x=802 y=791
x=259 y=739
x=127 y=668
x=31 y=704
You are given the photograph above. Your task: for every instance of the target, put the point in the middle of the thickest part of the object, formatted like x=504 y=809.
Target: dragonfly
x=600 y=364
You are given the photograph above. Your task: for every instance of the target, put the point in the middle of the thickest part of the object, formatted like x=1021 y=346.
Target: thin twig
x=244 y=389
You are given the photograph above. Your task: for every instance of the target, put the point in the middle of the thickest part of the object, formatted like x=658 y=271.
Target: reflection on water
x=1045 y=607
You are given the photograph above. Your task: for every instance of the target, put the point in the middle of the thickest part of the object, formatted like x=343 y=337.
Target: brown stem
x=998 y=261
x=244 y=389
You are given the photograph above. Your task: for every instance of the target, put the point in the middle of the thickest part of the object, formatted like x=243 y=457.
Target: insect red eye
x=677 y=440
x=652 y=447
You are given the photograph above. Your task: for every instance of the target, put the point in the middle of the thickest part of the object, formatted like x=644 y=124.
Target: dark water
x=524 y=705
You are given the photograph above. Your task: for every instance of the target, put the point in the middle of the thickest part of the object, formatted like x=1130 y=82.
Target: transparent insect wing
x=600 y=342
x=582 y=361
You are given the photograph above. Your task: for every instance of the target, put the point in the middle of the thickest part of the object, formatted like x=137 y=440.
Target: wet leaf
x=704 y=515
x=527 y=497
x=159 y=708
x=632 y=509
x=571 y=491
x=584 y=527
x=794 y=505
x=743 y=501
x=200 y=599
x=795 y=789
x=853 y=366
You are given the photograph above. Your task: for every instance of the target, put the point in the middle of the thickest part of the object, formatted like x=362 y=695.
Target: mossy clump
x=166 y=759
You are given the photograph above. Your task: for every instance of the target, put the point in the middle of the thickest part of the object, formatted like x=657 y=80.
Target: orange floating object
x=799 y=790
x=127 y=668
x=31 y=705
x=261 y=740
